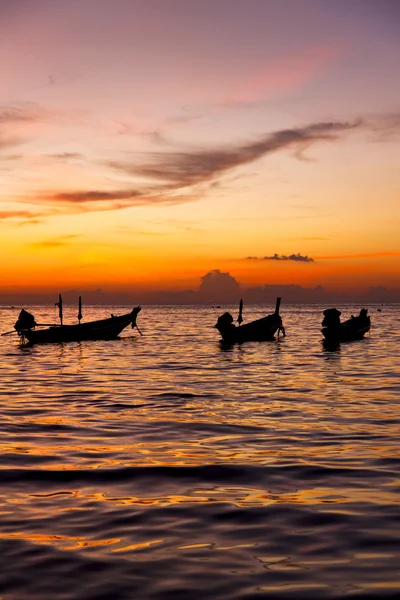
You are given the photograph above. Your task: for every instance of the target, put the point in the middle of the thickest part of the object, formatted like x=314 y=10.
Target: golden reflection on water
x=299 y=587
x=67 y=454
x=92 y=544
x=40 y=538
x=382 y=585
x=297 y=420
x=237 y=496
x=138 y=546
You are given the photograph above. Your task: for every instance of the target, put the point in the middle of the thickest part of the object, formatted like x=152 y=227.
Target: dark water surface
x=168 y=467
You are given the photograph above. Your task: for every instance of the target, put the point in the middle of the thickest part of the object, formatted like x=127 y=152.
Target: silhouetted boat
x=104 y=329
x=263 y=329
x=353 y=329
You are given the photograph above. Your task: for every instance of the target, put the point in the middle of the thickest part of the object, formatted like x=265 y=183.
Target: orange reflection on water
x=40 y=538
x=92 y=544
x=244 y=497
x=382 y=585
x=150 y=501
x=60 y=540
x=138 y=546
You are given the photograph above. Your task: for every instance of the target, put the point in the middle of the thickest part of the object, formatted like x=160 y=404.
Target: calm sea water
x=167 y=467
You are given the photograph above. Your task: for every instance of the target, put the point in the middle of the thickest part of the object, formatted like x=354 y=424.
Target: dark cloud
x=382 y=294
x=222 y=288
x=194 y=167
x=218 y=287
x=294 y=257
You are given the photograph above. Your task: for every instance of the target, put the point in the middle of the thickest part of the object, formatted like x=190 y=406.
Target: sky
x=148 y=144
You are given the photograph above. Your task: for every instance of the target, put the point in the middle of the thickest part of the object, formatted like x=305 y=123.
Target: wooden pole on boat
x=60 y=310
x=278 y=303
x=240 y=318
x=80 y=310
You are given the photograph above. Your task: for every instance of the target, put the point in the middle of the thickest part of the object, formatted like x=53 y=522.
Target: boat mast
x=240 y=318
x=80 y=310
x=60 y=309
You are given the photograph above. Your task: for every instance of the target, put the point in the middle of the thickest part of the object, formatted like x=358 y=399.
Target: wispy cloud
x=14 y=114
x=125 y=197
x=64 y=240
x=11 y=157
x=24 y=215
x=385 y=127
x=169 y=173
x=8 y=141
x=286 y=73
x=194 y=167
x=65 y=155
x=293 y=257
x=92 y=196
x=102 y=200
x=31 y=112
x=26 y=114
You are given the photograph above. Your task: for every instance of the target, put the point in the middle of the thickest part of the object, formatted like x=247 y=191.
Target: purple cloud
x=294 y=257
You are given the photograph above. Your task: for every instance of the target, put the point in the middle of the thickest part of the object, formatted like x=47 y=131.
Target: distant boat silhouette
x=104 y=329
x=263 y=329
x=353 y=329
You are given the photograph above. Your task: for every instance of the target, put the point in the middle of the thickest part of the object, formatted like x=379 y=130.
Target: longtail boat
x=353 y=329
x=103 y=329
x=263 y=329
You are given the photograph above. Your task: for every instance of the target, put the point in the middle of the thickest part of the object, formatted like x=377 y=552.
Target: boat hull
x=345 y=333
x=353 y=329
x=262 y=330
x=105 y=329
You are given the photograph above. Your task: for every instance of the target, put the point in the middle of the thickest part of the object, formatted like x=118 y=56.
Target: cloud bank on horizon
x=217 y=288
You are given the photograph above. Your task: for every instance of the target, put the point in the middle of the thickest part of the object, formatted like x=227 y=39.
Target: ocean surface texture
x=166 y=466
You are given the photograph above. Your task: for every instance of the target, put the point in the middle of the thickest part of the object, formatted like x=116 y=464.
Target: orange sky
x=140 y=156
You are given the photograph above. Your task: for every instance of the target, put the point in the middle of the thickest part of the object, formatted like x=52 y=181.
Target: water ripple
x=172 y=466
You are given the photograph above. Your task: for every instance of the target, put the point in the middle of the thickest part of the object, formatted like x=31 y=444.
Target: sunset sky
x=146 y=143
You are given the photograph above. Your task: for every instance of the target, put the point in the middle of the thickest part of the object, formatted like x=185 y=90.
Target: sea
x=166 y=466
